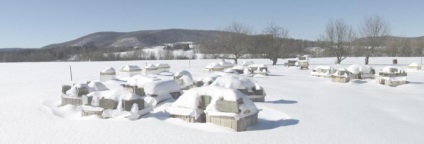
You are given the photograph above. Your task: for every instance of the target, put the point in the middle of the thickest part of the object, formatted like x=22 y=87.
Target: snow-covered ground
x=298 y=108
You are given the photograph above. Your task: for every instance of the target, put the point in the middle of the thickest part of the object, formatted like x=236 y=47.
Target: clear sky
x=36 y=23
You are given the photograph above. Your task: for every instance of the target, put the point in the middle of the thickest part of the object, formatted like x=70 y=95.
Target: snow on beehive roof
x=414 y=64
x=226 y=64
x=323 y=67
x=73 y=92
x=214 y=65
x=130 y=68
x=187 y=104
x=162 y=65
x=341 y=73
x=130 y=96
x=246 y=63
x=97 y=86
x=354 y=69
x=108 y=70
x=239 y=67
x=234 y=82
x=257 y=65
x=140 y=80
x=391 y=69
x=150 y=66
x=161 y=87
x=183 y=73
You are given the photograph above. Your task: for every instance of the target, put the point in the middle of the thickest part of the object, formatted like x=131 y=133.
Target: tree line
x=339 y=40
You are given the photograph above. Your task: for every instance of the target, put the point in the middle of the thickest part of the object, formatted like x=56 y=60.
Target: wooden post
x=70 y=71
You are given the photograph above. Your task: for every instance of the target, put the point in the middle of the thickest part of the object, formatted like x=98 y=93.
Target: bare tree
x=237 y=43
x=338 y=39
x=375 y=31
x=275 y=42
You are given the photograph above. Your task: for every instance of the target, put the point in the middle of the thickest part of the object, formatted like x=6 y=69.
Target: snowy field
x=298 y=108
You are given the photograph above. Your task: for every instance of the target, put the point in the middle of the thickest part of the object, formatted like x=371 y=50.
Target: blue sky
x=36 y=23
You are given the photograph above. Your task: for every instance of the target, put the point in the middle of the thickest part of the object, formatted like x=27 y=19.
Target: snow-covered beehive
x=322 y=71
x=158 y=91
x=414 y=67
x=218 y=105
x=73 y=95
x=150 y=69
x=243 y=84
x=239 y=68
x=341 y=76
x=130 y=70
x=226 y=64
x=303 y=62
x=136 y=83
x=391 y=76
x=259 y=69
x=184 y=79
x=205 y=81
x=214 y=67
x=361 y=71
x=112 y=103
x=107 y=74
x=163 y=67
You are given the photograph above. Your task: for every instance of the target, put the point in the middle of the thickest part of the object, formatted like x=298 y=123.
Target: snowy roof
x=150 y=66
x=341 y=72
x=214 y=65
x=356 y=69
x=108 y=70
x=235 y=82
x=239 y=67
x=258 y=65
x=129 y=68
x=391 y=69
x=246 y=63
x=73 y=92
x=161 y=87
x=140 y=80
x=97 y=86
x=163 y=65
x=114 y=94
x=414 y=64
x=323 y=67
x=188 y=103
x=226 y=64
x=183 y=73
x=130 y=96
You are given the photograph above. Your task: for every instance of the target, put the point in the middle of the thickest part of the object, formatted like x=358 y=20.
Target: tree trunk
x=367 y=59
x=274 y=61
x=235 y=61
x=339 y=60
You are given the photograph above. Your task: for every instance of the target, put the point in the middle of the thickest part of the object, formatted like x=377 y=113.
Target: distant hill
x=143 y=38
